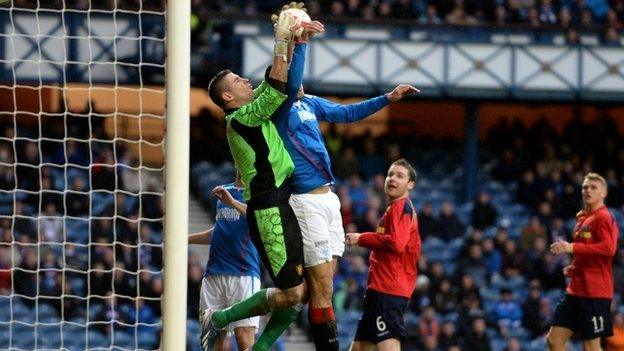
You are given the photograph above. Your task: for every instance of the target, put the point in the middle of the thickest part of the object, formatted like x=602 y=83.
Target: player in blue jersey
x=317 y=208
x=233 y=268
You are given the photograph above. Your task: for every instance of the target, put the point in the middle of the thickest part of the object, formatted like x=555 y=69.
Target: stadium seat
x=4 y=335
x=147 y=340
x=97 y=339
x=49 y=336
x=124 y=340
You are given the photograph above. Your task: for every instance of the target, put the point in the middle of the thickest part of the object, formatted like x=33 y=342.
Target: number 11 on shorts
x=598 y=323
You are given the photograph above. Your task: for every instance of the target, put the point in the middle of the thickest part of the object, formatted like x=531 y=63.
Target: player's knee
x=295 y=295
x=552 y=341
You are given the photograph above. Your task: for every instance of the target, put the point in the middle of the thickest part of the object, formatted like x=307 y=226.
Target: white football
x=301 y=17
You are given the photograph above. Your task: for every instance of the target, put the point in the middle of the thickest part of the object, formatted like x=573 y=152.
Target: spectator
x=347 y=164
x=370 y=163
x=531 y=311
x=448 y=336
x=431 y=16
x=443 y=298
x=450 y=225
x=484 y=215
x=427 y=223
x=612 y=38
x=404 y=9
x=513 y=344
x=532 y=231
x=475 y=265
x=492 y=256
x=477 y=339
x=51 y=224
x=428 y=325
x=547 y=12
x=508 y=313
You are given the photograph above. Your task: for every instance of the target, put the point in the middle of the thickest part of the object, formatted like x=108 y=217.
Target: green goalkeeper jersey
x=256 y=147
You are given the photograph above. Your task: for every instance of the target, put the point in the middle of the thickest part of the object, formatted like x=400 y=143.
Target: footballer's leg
x=389 y=345
x=557 y=338
x=314 y=217
x=245 y=337
x=362 y=346
x=592 y=345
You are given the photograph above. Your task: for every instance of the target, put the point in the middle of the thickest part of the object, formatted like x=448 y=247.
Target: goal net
x=81 y=174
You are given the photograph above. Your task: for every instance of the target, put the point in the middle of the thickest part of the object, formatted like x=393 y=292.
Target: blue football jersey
x=232 y=252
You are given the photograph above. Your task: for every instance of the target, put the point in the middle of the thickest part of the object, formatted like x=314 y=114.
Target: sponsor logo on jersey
x=306 y=116
x=227 y=213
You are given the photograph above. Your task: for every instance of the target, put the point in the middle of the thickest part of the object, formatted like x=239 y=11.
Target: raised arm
x=337 y=113
x=222 y=194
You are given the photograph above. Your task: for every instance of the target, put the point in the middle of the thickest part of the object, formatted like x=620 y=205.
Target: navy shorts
x=589 y=318
x=382 y=318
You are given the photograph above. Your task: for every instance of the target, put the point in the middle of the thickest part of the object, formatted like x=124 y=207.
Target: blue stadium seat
x=46 y=310
x=23 y=335
x=74 y=336
x=147 y=340
x=124 y=340
x=97 y=339
x=4 y=335
x=49 y=336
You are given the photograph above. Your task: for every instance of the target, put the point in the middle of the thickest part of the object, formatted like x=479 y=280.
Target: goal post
x=93 y=252
x=178 y=39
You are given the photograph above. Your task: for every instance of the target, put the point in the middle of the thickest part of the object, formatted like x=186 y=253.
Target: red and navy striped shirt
x=395 y=250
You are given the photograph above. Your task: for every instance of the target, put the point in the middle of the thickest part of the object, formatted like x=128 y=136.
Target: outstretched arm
x=336 y=113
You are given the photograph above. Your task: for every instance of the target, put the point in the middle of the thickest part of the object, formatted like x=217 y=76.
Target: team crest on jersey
x=381 y=230
x=587 y=235
x=300 y=269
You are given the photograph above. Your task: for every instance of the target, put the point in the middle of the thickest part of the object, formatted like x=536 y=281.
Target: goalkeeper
x=265 y=165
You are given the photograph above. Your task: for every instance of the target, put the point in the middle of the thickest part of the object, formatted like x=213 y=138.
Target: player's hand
x=285 y=23
x=352 y=238
x=310 y=29
x=567 y=270
x=223 y=195
x=561 y=247
x=400 y=92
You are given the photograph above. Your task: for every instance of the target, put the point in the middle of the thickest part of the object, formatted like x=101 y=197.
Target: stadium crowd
x=607 y=14
x=79 y=231
x=496 y=246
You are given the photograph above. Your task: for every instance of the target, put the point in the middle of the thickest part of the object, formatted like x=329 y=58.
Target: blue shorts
x=382 y=318
x=589 y=318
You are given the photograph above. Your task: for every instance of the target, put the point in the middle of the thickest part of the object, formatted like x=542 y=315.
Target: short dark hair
x=216 y=87
x=410 y=169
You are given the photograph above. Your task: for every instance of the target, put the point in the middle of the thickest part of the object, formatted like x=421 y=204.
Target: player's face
x=593 y=192
x=239 y=90
x=397 y=183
